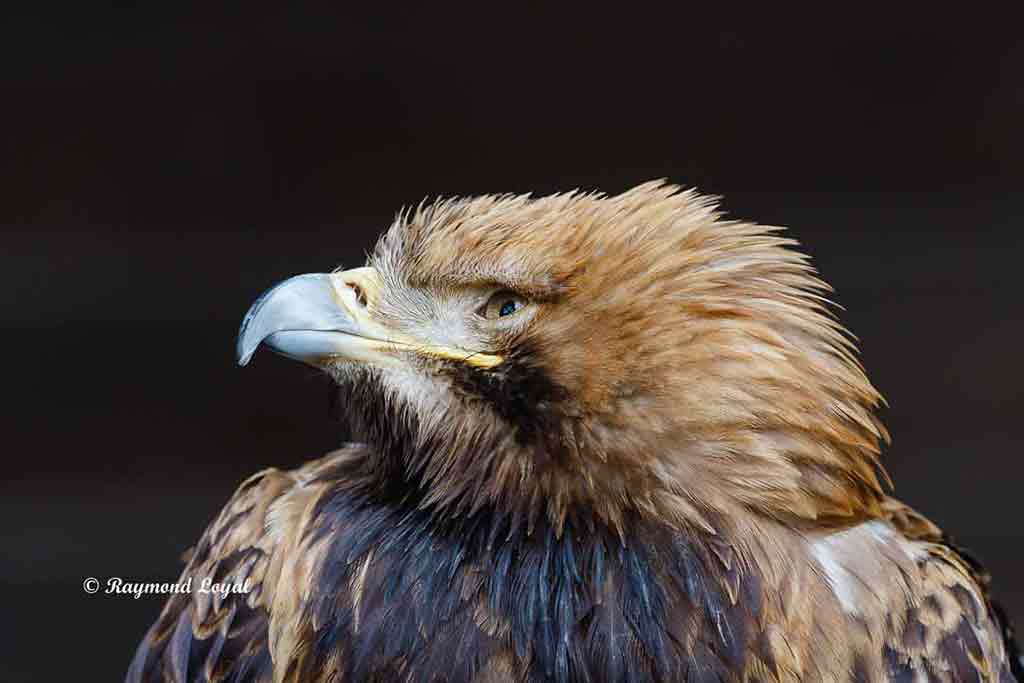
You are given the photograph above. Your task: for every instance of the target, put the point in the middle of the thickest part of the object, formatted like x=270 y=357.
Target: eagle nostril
x=358 y=291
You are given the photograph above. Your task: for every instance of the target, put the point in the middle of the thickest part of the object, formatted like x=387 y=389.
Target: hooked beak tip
x=294 y=318
x=242 y=358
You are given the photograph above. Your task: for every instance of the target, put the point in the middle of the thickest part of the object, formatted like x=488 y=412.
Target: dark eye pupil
x=507 y=308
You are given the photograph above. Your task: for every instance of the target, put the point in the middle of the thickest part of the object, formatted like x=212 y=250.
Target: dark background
x=159 y=168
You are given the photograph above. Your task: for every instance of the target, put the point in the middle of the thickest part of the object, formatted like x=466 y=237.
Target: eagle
x=597 y=438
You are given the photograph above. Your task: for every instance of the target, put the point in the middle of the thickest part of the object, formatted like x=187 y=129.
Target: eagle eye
x=502 y=304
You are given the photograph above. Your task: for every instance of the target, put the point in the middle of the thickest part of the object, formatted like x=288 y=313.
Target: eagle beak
x=307 y=317
x=321 y=317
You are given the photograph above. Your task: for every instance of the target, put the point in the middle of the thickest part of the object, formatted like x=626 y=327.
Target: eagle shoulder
x=204 y=635
x=956 y=631
x=907 y=605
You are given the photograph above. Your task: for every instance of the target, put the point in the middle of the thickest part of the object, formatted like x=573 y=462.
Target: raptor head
x=590 y=354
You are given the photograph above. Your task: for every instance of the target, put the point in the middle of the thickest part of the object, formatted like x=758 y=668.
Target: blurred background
x=161 y=167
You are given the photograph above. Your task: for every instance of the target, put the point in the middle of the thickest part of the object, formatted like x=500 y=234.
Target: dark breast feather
x=431 y=600
x=401 y=594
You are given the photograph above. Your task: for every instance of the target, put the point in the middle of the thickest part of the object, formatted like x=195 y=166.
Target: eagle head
x=591 y=355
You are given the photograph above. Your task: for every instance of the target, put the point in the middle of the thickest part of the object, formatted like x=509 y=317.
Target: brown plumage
x=601 y=439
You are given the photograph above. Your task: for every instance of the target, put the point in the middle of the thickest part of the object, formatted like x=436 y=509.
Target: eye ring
x=502 y=304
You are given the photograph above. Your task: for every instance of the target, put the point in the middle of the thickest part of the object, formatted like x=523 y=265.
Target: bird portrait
x=595 y=438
